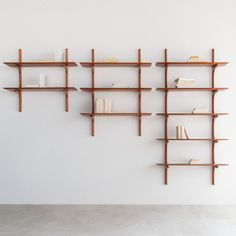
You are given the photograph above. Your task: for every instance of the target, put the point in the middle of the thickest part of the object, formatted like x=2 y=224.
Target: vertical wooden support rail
x=166 y=120
x=213 y=117
x=66 y=77
x=20 y=79
x=93 y=96
x=139 y=94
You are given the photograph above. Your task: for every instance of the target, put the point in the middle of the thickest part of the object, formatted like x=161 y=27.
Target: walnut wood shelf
x=166 y=114
x=139 y=89
x=190 y=89
x=43 y=89
x=116 y=114
x=190 y=165
x=192 y=114
x=174 y=63
x=115 y=64
x=40 y=64
x=116 y=89
x=22 y=64
x=193 y=139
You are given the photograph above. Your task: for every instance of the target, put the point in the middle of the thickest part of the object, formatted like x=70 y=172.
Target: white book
x=178 y=132
x=119 y=85
x=200 y=110
x=103 y=105
x=186 y=132
x=184 y=86
x=32 y=85
x=194 y=161
x=98 y=105
x=182 y=132
x=184 y=80
x=109 y=105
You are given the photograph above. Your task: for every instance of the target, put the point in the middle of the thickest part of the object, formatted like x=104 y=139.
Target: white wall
x=48 y=155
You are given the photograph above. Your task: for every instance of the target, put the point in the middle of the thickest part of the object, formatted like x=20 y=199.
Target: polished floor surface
x=111 y=220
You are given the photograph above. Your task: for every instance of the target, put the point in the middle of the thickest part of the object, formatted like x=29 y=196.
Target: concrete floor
x=55 y=220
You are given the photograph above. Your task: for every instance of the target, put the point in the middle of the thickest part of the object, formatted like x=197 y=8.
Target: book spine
x=178 y=132
x=109 y=105
x=98 y=105
x=181 y=132
x=103 y=105
x=186 y=132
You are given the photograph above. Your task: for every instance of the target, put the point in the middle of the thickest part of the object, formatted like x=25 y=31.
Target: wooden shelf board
x=192 y=139
x=175 y=63
x=16 y=89
x=191 y=114
x=115 y=114
x=116 y=89
x=115 y=64
x=190 y=89
x=185 y=164
x=40 y=64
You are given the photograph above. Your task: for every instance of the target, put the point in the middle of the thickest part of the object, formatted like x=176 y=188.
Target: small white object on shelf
x=184 y=83
x=195 y=59
x=59 y=56
x=200 y=110
x=120 y=85
x=110 y=59
x=31 y=85
x=194 y=161
x=42 y=80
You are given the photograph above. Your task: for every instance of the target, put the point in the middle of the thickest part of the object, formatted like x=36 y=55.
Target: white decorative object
x=59 y=56
x=42 y=80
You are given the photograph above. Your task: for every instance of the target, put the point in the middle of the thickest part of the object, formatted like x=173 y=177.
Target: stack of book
x=103 y=105
x=195 y=59
x=200 y=110
x=119 y=85
x=182 y=132
x=184 y=83
x=194 y=161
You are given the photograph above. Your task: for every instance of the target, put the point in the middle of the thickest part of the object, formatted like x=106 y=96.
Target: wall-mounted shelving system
x=213 y=90
x=139 y=64
x=19 y=66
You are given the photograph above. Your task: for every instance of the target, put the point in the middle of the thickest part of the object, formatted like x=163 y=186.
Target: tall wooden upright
x=19 y=67
x=139 y=94
x=166 y=119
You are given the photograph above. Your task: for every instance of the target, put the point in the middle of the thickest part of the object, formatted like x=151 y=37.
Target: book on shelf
x=200 y=110
x=193 y=161
x=184 y=83
x=195 y=59
x=182 y=132
x=103 y=105
x=120 y=85
x=31 y=85
x=110 y=59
